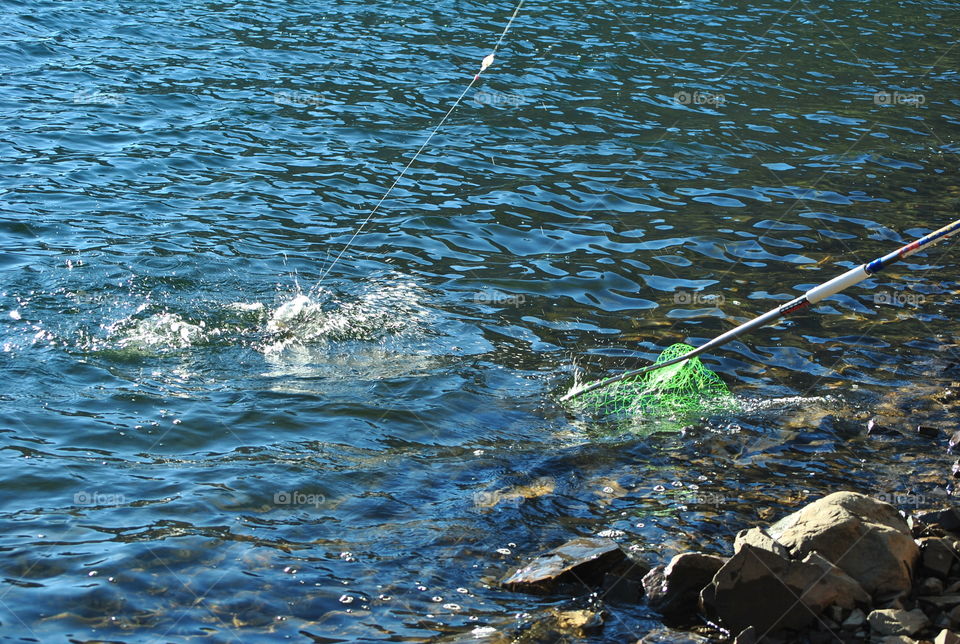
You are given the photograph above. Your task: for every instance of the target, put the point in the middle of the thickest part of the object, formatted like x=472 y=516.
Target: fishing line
x=484 y=64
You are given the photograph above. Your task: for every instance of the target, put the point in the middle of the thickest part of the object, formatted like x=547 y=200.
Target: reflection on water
x=203 y=440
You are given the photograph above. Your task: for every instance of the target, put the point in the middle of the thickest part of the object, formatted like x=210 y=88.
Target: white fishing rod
x=812 y=296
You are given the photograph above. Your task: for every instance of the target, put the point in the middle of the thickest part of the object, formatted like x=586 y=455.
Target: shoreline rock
x=846 y=568
x=674 y=590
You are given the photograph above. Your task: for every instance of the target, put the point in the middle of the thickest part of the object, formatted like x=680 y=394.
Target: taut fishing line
x=685 y=387
x=486 y=62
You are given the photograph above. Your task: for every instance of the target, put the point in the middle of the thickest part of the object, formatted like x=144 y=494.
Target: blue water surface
x=231 y=413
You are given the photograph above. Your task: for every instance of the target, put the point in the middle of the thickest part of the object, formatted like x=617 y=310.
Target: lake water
x=203 y=439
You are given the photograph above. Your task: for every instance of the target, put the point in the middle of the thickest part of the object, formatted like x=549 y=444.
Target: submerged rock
x=874 y=428
x=553 y=625
x=578 y=622
x=578 y=562
x=866 y=538
x=674 y=590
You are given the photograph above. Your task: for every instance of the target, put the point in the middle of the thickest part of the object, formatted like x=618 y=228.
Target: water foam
x=156 y=333
x=381 y=310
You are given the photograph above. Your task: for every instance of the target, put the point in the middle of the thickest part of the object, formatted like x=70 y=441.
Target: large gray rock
x=759 y=588
x=867 y=538
x=674 y=590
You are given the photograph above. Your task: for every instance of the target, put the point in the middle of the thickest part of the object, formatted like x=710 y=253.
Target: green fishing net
x=681 y=389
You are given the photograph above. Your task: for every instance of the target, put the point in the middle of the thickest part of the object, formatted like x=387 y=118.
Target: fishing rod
x=811 y=297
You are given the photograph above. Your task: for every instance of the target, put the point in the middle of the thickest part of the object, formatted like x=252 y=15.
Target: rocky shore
x=847 y=568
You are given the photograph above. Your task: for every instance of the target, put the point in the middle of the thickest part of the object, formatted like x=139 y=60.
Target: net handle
x=812 y=296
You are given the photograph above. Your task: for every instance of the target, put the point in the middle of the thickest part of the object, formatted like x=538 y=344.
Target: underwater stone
x=874 y=428
x=580 y=562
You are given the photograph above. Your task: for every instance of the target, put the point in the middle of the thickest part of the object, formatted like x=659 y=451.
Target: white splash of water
x=786 y=403
x=156 y=333
x=381 y=310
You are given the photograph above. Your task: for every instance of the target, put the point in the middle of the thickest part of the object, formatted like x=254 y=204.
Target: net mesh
x=684 y=388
